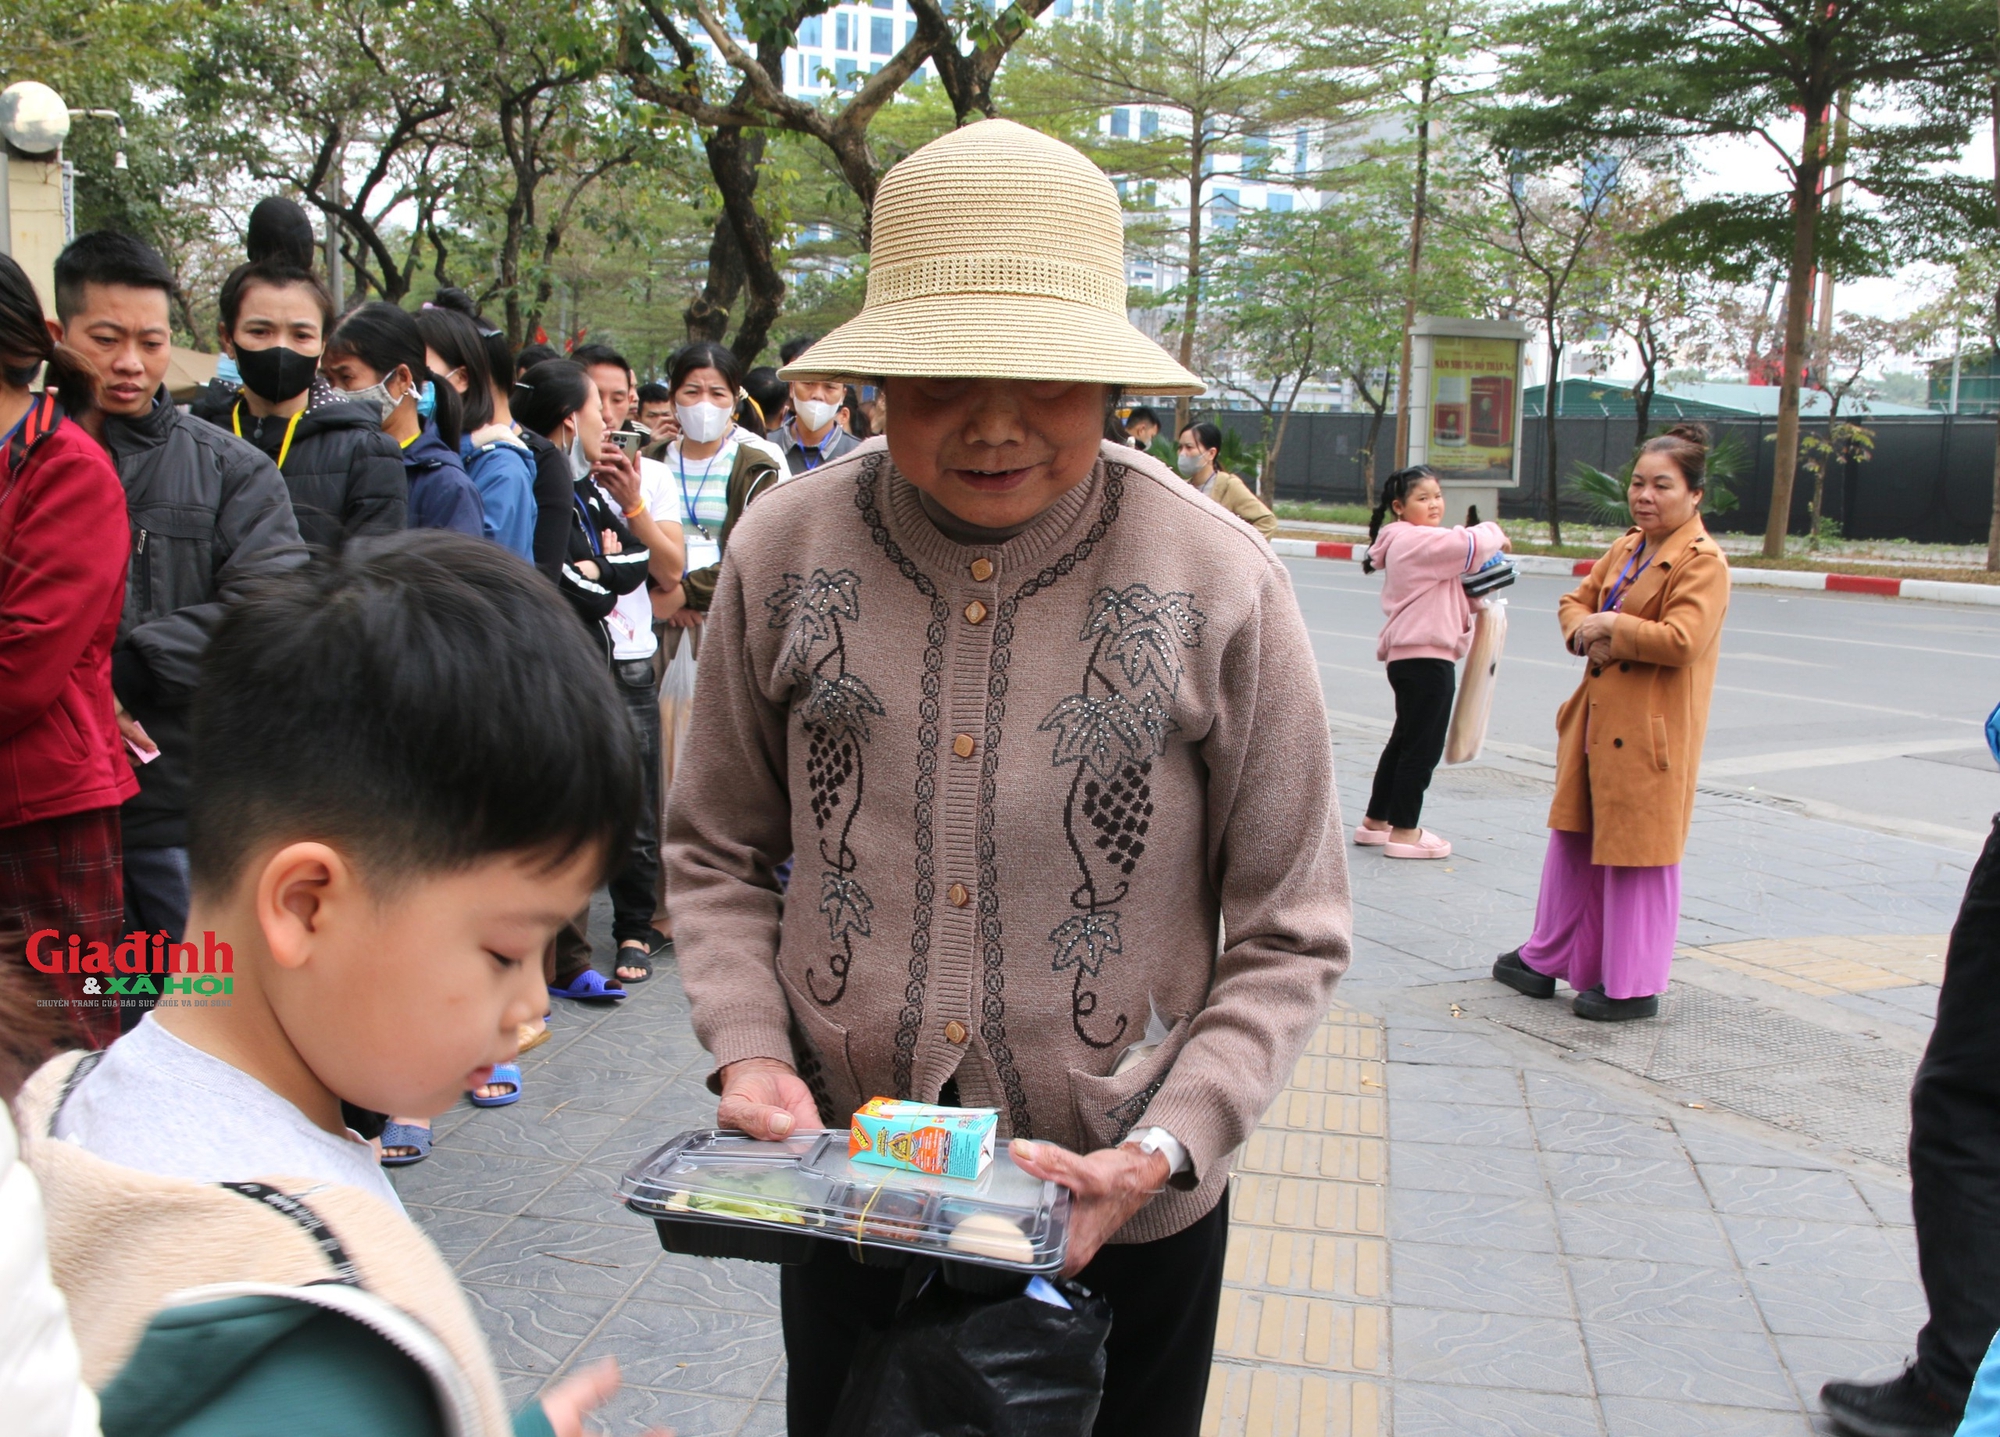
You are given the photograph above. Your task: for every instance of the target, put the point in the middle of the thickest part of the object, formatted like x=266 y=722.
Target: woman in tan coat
x=1649 y=619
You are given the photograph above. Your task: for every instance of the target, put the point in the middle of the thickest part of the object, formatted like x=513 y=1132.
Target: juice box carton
x=923 y=1138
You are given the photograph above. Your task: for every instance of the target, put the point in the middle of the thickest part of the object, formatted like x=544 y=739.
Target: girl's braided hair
x=1395 y=488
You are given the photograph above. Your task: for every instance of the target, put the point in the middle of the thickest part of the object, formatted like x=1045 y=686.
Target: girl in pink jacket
x=1428 y=629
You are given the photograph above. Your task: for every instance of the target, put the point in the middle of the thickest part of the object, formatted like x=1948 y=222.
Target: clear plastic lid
x=806 y=1185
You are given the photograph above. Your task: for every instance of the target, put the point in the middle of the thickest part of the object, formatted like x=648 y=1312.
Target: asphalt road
x=1858 y=709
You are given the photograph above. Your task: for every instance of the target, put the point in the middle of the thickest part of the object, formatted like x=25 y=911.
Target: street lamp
x=33 y=118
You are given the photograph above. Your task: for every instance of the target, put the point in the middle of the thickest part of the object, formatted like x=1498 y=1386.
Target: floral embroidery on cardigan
x=834 y=713
x=1112 y=731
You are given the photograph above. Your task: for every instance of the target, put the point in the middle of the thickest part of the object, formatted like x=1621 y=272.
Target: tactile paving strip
x=1739 y=1054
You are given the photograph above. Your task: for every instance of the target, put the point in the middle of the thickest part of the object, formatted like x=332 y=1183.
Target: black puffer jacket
x=345 y=475
x=207 y=512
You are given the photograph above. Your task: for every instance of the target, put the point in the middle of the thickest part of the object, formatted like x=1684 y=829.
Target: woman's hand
x=609 y=539
x=685 y=618
x=1109 y=1186
x=766 y=1099
x=587 y=568
x=1595 y=628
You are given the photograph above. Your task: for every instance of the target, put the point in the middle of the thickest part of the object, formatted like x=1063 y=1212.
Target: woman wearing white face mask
x=1200 y=446
x=719 y=466
x=376 y=355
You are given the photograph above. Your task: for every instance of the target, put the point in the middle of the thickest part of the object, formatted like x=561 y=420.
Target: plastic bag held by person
x=952 y=1362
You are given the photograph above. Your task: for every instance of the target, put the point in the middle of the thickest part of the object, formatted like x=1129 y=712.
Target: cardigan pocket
x=1109 y=1107
x=1660 y=760
x=822 y=1057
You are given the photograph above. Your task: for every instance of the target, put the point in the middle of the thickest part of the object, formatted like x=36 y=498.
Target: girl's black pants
x=1424 y=690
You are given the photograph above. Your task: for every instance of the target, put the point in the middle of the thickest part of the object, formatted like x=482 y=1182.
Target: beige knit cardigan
x=1024 y=784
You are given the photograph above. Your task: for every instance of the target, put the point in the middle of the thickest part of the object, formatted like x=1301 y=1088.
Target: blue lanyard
x=1629 y=575
x=688 y=504
x=589 y=529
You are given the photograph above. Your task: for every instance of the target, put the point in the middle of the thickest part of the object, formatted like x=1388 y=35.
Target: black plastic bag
x=961 y=1364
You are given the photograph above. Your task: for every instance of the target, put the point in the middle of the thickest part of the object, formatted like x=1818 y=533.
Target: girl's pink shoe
x=1370 y=837
x=1428 y=845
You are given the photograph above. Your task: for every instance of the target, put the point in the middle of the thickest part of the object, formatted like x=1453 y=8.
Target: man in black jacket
x=345 y=475
x=207 y=511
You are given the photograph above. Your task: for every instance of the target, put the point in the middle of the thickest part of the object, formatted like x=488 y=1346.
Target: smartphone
x=632 y=441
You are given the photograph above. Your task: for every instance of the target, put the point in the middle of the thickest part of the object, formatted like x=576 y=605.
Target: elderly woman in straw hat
x=1043 y=728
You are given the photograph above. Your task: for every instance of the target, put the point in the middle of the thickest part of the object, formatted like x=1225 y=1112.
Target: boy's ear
x=297 y=889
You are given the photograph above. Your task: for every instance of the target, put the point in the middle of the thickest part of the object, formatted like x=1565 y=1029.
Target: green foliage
x=1604 y=494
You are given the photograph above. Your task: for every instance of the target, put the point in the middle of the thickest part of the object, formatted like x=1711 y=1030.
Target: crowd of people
x=961 y=739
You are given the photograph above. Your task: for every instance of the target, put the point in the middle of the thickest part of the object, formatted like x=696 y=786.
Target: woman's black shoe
x=1592 y=1004
x=1509 y=969
x=1904 y=1406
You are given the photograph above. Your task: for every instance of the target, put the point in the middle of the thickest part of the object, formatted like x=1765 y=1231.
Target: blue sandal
x=404 y=1135
x=590 y=986
x=506 y=1075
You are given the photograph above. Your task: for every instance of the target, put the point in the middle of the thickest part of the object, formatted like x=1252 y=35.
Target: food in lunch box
x=987 y=1234
x=765 y=1199
x=924 y=1138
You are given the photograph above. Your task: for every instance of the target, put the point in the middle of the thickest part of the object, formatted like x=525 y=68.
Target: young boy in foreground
x=407 y=776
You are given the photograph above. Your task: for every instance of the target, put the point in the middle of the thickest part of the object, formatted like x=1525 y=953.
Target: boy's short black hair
x=592 y=355
x=1142 y=414
x=422 y=701
x=654 y=392
x=107 y=257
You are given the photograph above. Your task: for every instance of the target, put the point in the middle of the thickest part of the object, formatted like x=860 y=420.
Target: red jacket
x=63 y=549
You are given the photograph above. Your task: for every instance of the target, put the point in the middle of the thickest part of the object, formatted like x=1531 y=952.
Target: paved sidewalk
x=1469 y=1214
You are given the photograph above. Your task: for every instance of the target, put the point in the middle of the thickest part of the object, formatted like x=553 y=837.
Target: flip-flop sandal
x=1370 y=837
x=506 y=1075
x=404 y=1135
x=639 y=958
x=533 y=1040
x=590 y=986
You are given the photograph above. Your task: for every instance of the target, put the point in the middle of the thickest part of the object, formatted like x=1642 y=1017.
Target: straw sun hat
x=999 y=253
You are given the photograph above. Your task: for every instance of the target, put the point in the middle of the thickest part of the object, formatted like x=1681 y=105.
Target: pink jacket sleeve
x=1423 y=555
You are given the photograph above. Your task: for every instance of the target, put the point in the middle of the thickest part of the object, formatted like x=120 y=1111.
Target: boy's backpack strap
x=285 y=1205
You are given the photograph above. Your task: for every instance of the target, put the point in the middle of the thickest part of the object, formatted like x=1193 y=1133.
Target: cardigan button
x=982 y=570
x=956 y=1032
x=962 y=745
x=957 y=896
x=975 y=612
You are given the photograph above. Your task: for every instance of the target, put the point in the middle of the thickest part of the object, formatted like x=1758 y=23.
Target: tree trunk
x=1642 y=392
x=1191 y=312
x=1549 y=392
x=1267 y=482
x=1824 y=462
x=1415 y=269
x=734 y=159
x=1798 y=304
x=707 y=314
x=1368 y=454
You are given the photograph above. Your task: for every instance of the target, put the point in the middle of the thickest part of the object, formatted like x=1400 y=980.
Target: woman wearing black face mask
x=344 y=473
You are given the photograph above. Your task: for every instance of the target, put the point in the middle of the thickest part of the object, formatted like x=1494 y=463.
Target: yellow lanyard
x=284 y=445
